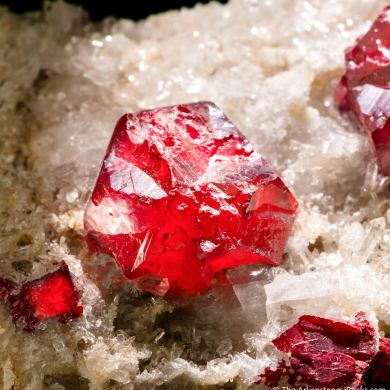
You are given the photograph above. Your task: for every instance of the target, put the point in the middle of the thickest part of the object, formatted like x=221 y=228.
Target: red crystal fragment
x=182 y=195
x=272 y=377
x=364 y=90
x=378 y=375
x=53 y=295
x=324 y=353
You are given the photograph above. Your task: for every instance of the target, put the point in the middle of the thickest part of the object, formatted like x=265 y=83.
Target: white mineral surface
x=271 y=66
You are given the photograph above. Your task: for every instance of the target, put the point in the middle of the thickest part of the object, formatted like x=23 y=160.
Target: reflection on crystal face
x=128 y=178
x=373 y=100
x=110 y=217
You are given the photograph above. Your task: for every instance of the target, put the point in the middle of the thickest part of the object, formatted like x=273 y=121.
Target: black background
x=99 y=9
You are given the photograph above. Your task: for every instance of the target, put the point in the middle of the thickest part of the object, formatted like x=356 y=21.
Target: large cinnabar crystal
x=182 y=195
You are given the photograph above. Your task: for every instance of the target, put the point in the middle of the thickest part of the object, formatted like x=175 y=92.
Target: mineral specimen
x=271 y=66
x=364 y=90
x=182 y=195
x=325 y=353
x=53 y=295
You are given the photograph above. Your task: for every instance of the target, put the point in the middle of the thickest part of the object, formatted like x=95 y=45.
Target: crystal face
x=182 y=195
x=53 y=295
x=364 y=90
x=325 y=353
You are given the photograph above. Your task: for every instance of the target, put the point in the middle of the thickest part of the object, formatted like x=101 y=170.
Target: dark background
x=99 y=9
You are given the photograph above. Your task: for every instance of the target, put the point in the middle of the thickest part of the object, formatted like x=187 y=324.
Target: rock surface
x=272 y=67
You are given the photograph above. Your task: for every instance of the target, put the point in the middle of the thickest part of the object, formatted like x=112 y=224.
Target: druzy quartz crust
x=182 y=195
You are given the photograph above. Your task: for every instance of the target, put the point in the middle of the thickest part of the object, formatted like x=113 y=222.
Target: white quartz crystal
x=271 y=66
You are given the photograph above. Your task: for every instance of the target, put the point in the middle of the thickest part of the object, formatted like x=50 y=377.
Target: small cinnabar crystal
x=182 y=195
x=52 y=296
x=324 y=353
x=364 y=90
x=378 y=376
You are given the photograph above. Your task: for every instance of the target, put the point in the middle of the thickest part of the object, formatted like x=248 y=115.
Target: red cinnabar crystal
x=364 y=90
x=378 y=376
x=325 y=353
x=182 y=195
x=53 y=295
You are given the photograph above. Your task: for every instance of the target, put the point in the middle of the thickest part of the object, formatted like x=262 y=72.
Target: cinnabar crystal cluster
x=364 y=90
x=324 y=353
